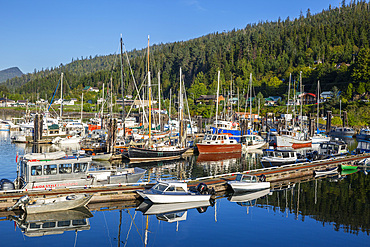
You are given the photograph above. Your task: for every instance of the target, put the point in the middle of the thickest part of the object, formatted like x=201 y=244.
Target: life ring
x=263 y=178
x=64 y=124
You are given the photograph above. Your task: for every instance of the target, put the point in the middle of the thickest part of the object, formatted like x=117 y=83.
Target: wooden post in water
x=345 y=119
x=328 y=122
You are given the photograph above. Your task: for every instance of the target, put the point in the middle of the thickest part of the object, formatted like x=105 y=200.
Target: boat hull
x=161 y=198
x=242 y=186
x=287 y=141
x=219 y=148
x=51 y=205
x=149 y=155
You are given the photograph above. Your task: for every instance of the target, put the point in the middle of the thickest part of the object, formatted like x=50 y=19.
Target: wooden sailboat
x=154 y=152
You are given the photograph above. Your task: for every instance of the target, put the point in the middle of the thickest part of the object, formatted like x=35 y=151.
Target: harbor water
x=332 y=211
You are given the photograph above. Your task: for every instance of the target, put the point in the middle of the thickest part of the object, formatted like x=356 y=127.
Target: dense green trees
x=331 y=46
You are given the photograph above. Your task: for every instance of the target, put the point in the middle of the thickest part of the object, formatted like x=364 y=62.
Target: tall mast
x=218 y=89
x=149 y=96
x=301 y=89
x=250 y=102
x=318 y=106
x=287 y=105
x=82 y=105
x=231 y=97
x=180 y=109
x=159 y=98
x=123 y=93
x=61 y=96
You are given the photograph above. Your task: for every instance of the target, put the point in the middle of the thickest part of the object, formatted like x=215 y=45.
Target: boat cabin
x=218 y=139
x=163 y=187
x=50 y=172
x=246 y=178
x=333 y=148
x=271 y=153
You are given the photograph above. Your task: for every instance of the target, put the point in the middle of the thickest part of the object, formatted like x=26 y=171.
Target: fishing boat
x=57 y=170
x=363 y=135
x=218 y=157
x=174 y=192
x=278 y=157
x=330 y=149
x=291 y=139
x=342 y=132
x=51 y=204
x=362 y=147
x=227 y=127
x=218 y=143
x=252 y=142
x=326 y=171
x=245 y=182
x=102 y=156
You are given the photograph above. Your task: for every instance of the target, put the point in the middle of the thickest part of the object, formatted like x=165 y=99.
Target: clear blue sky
x=38 y=34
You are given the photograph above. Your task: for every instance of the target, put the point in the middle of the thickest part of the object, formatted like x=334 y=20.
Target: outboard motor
x=6 y=184
x=24 y=200
x=202 y=188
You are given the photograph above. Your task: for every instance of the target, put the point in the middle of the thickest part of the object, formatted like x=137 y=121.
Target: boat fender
x=202 y=188
x=263 y=178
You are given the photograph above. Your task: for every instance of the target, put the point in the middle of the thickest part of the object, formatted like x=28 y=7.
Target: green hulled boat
x=348 y=167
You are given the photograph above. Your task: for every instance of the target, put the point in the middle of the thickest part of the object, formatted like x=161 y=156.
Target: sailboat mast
x=318 y=106
x=301 y=89
x=82 y=105
x=180 y=109
x=287 y=105
x=61 y=96
x=159 y=98
x=218 y=89
x=149 y=96
x=123 y=93
x=250 y=97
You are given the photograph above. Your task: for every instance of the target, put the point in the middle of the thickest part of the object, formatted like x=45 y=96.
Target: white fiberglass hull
x=243 y=186
x=254 y=146
x=160 y=198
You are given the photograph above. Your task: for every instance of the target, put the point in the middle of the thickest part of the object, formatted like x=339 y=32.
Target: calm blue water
x=313 y=213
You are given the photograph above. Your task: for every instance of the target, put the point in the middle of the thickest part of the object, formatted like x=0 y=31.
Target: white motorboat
x=174 y=192
x=149 y=208
x=67 y=140
x=245 y=182
x=51 y=204
x=252 y=142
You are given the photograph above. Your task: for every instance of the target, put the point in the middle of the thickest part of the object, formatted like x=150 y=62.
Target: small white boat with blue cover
x=245 y=182
x=174 y=192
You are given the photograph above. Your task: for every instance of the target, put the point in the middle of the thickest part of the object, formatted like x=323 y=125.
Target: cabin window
x=286 y=155
x=34 y=226
x=50 y=169
x=160 y=187
x=79 y=222
x=238 y=177
x=48 y=225
x=214 y=138
x=79 y=167
x=343 y=147
x=208 y=138
x=180 y=189
x=171 y=188
x=36 y=170
x=219 y=138
x=65 y=168
x=247 y=179
x=63 y=223
x=254 y=179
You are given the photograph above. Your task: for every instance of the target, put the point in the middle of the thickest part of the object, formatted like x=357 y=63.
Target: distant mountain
x=10 y=73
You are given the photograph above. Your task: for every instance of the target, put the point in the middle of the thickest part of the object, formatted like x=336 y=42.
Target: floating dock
x=279 y=177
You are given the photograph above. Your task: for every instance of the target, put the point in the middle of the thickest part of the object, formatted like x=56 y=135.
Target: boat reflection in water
x=36 y=225
x=171 y=212
x=249 y=198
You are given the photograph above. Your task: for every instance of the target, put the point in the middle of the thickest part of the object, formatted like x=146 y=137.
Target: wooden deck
x=279 y=177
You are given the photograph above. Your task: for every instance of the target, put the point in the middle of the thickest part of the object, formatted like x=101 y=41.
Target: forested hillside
x=328 y=46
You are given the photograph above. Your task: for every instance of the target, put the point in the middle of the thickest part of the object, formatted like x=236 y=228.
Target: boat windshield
x=208 y=137
x=160 y=187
